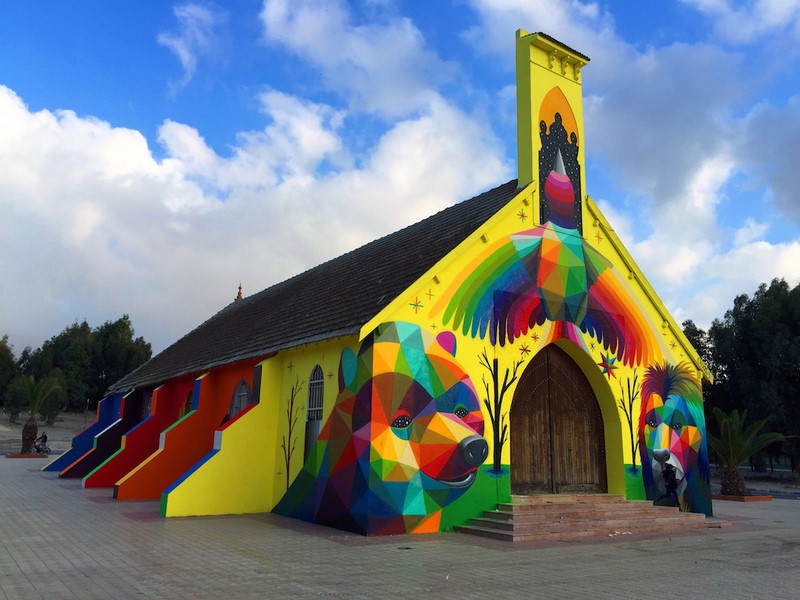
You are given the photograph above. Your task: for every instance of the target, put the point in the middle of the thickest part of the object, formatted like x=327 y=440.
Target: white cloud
x=382 y=68
x=93 y=226
x=197 y=35
x=749 y=232
x=766 y=148
x=580 y=25
x=747 y=22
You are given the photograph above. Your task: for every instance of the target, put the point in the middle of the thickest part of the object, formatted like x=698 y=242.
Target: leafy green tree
x=699 y=340
x=755 y=359
x=16 y=398
x=8 y=366
x=90 y=360
x=117 y=353
x=57 y=401
x=37 y=393
x=70 y=351
x=735 y=444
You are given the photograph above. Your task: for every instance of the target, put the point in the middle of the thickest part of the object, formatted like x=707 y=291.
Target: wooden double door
x=557 y=438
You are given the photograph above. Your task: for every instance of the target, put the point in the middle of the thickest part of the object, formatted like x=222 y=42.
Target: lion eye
x=402 y=422
x=651 y=423
x=677 y=426
x=460 y=412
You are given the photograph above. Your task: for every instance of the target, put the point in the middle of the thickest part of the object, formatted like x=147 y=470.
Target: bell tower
x=550 y=116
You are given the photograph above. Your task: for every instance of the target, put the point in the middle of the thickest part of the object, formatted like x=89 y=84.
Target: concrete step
x=545 y=535
x=609 y=522
x=578 y=515
x=566 y=498
x=531 y=507
x=543 y=517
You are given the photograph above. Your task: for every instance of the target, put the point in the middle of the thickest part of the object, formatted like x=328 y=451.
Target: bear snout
x=661 y=455
x=474 y=449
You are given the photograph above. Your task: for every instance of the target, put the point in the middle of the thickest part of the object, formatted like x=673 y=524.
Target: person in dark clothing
x=671 y=484
x=42 y=439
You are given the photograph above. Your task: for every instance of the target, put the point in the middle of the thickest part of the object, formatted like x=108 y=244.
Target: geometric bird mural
x=550 y=273
x=671 y=427
x=404 y=439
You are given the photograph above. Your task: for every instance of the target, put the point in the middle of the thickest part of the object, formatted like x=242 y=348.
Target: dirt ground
x=59 y=435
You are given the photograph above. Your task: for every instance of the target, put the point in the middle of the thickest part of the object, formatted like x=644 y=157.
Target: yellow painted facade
x=250 y=470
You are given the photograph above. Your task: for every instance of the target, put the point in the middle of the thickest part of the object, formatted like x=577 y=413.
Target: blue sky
x=154 y=155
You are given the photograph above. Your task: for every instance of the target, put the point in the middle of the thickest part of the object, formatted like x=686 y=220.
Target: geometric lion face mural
x=671 y=427
x=404 y=440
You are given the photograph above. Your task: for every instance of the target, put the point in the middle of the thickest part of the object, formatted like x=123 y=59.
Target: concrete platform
x=58 y=540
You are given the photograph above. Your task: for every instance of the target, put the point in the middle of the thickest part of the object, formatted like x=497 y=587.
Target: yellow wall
x=247 y=471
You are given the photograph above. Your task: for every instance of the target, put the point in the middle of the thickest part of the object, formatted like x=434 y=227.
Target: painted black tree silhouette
x=628 y=400
x=495 y=395
x=288 y=442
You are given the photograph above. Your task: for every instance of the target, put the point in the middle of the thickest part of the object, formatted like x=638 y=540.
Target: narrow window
x=316 y=389
x=240 y=399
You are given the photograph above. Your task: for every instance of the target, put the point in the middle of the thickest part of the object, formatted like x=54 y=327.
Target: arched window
x=147 y=402
x=316 y=389
x=316 y=392
x=187 y=404
x=240 y=400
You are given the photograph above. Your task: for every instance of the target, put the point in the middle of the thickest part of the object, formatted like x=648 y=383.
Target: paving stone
x=58 y=540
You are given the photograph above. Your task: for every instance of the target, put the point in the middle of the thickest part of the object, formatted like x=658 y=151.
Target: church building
x=508 y=345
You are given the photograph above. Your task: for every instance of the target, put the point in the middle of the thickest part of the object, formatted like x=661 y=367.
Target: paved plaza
x=58 y=540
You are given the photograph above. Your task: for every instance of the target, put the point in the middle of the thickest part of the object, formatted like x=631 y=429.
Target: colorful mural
x=495 y=394
x=404 y=440
x=542 y=319
x=550 y=273
x=672 y=432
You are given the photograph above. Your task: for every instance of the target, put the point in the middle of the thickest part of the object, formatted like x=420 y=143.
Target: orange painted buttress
x=189 y=440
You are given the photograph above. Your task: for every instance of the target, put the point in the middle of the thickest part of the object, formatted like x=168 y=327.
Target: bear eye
x=402 y=422
x=460 y=412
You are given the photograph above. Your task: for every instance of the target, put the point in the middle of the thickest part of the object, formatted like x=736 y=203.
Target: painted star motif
x=330 y=375
x=290 y=366
x=522 y=216
x=429 y=294
x=524 y=350
x=592 y=345
x=599 y=237
x=607 y=365
x=416 y=305
x=535 y=337
x=434 y=326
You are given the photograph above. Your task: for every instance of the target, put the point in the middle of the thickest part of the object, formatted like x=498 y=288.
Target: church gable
x=547 y=269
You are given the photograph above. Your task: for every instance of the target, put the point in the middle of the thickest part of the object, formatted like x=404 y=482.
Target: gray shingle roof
x=333 y=299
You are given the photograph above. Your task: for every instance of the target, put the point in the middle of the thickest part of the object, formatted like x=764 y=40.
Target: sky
x=155 y=155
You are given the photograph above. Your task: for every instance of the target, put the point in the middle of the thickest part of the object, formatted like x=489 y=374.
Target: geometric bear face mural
x=671 y=427
x=404 y=440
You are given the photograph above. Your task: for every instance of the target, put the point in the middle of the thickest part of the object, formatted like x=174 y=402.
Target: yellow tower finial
x=545 y=65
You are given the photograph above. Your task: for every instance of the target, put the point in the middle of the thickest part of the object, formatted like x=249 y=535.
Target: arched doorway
x=557 y=438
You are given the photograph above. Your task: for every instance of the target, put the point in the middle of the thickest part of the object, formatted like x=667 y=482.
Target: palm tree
x=37 y=392
x=735 y=445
